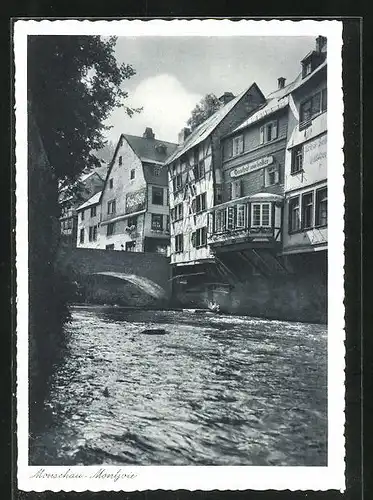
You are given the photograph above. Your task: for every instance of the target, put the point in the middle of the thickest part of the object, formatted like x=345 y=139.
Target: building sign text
x=253 y=165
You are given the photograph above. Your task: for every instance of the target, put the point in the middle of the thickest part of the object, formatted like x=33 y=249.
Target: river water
x=215 y=390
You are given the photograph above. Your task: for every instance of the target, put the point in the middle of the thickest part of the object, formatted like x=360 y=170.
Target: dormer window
x=307 y=68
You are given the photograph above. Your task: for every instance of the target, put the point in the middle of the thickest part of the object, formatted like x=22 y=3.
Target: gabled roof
x=94 y=200
x=278 y=99
x=150 y=150
x=200 y=133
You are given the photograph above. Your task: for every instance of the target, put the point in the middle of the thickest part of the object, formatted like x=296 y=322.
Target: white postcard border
x=132 y=478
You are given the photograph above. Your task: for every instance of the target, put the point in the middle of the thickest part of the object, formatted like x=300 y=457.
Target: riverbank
x=87 y=305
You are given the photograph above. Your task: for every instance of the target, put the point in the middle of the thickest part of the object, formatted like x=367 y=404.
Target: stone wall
x=298 y=295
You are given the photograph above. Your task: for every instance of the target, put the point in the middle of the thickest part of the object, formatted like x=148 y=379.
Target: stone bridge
x=128 y=278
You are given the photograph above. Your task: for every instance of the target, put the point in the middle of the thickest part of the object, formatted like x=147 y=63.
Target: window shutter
x=237 y=187
x=261 y=135
x=277 y=175
x=240 y=144
x=274 y=129
x=193 y=239
x=194 y=206
x=262 y=175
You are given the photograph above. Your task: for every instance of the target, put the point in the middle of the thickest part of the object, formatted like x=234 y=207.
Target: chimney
x=321 y=44
x=183 y=134
x=281 y=82
x=148 y=134
x=226 y=97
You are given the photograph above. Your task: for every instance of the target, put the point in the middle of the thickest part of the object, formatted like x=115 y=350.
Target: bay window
x=260 y=214
x=241 y=216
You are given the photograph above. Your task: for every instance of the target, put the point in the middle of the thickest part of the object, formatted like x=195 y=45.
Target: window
x=199 y=170
x=241 y=216
x=92 y=233
x=261 y=214
x=132 y=174
x=120 y=160
x=111 y=183
x=220 y=216
x=110 y=247
x=177 y=212
x=237 y=144
x=179 y=243
x=294 y=219
x=157 y=170
x=230 y=217
x=312 y=107
x=236 y=187
x=132 y=222
x=130 y=246
x=157 y=222
x=93 y=211
x=111 y=207
x=307 y=68
x=255 y=215
x=82 y=216
x=69 y=223
x=110 y=229
x=157 y=195
x=321 y=207
x=272 y=175
x=218 y=195
x=324 y=100
x=81 y=236
x=199 y=237
x=307 y=211
x=168 y=223
x=268 y=132
x=200 y=202
x=296 y=160
x=177 y=183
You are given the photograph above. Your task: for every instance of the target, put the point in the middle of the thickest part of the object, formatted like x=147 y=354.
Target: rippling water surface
x=219 y=390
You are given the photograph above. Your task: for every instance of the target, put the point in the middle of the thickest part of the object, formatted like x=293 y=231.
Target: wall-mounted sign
x=253 y=165
x=315 y=151
x=135 y=201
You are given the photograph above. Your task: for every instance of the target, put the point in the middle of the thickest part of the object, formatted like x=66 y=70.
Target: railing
x=254 y=221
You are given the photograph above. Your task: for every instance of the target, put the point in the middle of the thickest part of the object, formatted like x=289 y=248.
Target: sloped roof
x=200 y=133
x=94 y=200
x=278 y=99
x=301 y=81
x=147 y=149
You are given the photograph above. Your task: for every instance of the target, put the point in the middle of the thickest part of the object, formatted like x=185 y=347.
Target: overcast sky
x=174 y=73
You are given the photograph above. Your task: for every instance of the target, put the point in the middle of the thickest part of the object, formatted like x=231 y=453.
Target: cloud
x=166 y=104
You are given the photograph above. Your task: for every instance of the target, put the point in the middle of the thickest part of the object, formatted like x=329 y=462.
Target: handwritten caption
x=101 y=473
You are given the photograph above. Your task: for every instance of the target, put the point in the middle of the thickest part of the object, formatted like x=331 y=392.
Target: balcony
x=252 y=221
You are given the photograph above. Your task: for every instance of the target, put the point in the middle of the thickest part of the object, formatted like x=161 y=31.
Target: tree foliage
x=74 y=82
x=207 y=106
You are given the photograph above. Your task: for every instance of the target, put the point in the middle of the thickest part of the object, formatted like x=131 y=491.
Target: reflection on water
x=221 y=390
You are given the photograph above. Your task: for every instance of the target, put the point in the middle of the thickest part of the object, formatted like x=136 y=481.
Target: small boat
x=154 y=331
x=214 y=307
